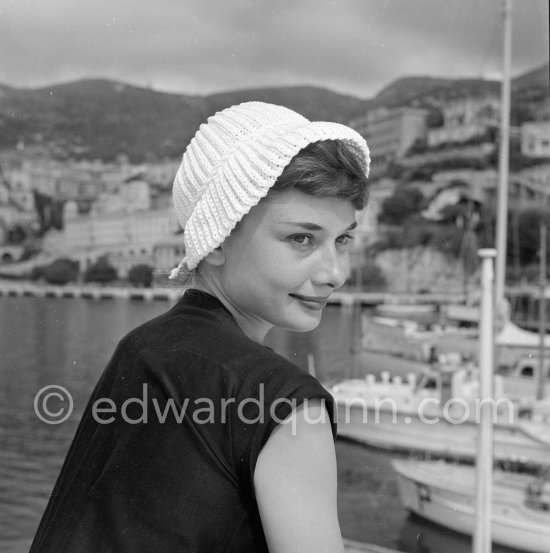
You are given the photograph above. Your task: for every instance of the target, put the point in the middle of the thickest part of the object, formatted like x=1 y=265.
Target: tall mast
x=502 y=205
x=542 y=310
x=481 y=540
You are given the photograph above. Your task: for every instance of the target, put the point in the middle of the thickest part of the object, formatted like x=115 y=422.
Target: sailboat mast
x=481 y=542
x=542 y=310
x=502 y=205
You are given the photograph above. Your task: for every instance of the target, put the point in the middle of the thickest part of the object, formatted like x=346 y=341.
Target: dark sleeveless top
x=163 y=459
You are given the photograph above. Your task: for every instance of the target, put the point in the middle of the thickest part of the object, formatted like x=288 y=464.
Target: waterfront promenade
x=344 y=298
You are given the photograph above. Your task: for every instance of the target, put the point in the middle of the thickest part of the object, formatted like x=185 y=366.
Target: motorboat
x=405 y=309
x=436 y=414
x=445 y=493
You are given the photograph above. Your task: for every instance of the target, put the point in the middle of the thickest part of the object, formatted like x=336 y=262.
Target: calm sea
x=45 y=341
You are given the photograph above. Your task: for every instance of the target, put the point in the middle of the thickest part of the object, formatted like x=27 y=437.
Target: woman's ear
x=216 y=257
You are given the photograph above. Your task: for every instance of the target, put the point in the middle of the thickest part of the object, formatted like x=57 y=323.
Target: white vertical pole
x=541 y=380
x=357 y=309
x=484 y=463
x=503 y=166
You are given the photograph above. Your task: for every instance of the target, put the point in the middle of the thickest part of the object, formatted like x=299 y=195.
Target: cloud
x=201 y=46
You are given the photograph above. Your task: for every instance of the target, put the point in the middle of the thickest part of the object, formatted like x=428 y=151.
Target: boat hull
x=434 y=434
x=446 y=495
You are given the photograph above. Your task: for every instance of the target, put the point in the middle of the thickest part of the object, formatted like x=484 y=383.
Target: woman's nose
x=332 y=269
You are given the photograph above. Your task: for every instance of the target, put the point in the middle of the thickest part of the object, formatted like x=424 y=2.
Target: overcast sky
x=204 y=46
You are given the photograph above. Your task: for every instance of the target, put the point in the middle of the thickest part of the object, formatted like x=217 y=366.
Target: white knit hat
x=232 y=162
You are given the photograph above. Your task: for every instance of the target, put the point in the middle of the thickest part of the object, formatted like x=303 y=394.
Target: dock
x=17 y=288
x=27 y=289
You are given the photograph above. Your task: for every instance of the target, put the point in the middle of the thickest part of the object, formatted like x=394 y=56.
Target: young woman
x=197 y=437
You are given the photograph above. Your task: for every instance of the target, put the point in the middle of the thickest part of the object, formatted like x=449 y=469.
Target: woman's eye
x=301 y=239
x=345 y=239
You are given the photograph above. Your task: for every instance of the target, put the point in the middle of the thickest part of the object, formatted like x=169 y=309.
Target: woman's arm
x=295 y=484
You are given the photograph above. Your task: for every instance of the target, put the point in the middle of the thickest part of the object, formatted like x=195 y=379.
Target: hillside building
x=11 y=216
x=539 y=175
x=111 y=230
x=132 y=196
x=465 y=119
x=390 y=133
x=18 y=186
x=527 y=188
x=168 y=253
x=367 y=228
x=535 y=139
x=162 y=173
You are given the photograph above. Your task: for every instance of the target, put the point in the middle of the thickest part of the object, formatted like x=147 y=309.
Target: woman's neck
x=254 y=327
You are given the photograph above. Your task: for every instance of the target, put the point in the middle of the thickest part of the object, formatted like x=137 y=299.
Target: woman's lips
x=311 y=302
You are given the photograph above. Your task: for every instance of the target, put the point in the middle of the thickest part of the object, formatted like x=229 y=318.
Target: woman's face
x=286 y=257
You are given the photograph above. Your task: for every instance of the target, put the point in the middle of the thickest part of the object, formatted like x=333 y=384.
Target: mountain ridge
x=102 y=118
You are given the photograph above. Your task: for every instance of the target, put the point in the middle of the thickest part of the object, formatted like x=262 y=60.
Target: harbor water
x=67 y=342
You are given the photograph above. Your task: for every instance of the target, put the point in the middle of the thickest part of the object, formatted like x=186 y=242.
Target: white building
x=132 y=196
x=112 y=231
x=368 y=220
x=168 y=253
x=43 y=175
x=19 y=186
x=391 y=132
x=11 y=216
x=161 y=173
x=136 y=195
x=114 y=175
x=465 y=119
x=535 y=139
x=478 y=180
x=539 y=175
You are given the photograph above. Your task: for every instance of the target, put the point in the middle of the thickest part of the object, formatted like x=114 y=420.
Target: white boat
x=414 y=340
x=435 y=414
x=520 y=382
x=396 y=337
x=405 y=309
x=445 y=493
x=462 y=314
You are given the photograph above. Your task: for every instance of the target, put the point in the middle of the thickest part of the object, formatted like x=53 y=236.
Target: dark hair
x=328 y=169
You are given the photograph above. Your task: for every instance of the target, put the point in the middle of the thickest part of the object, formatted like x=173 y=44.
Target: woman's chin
x=304 y=324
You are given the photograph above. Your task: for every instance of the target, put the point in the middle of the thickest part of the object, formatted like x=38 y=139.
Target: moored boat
x=445 y=493
x=435 y=414
x=405 y=309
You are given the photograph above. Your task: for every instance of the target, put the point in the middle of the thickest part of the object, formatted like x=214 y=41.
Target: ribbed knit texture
x=232 y=162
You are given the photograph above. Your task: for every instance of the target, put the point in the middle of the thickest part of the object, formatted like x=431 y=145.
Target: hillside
x=318 y=104
x=536 y=78
x=424 y=90
x=99 y=118
x=430 y=90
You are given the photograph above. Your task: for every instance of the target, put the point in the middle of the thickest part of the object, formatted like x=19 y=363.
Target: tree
x=61 y=271
x=141 y=275
x=448 y=240
x=434 y=118
x=101 y=272
x=372 y=276
x=528 y=221
x=398 y=208
x=419 y=146
x=17 y=235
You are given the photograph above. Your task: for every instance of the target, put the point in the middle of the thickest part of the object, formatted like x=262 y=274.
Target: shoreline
x=10 y=288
